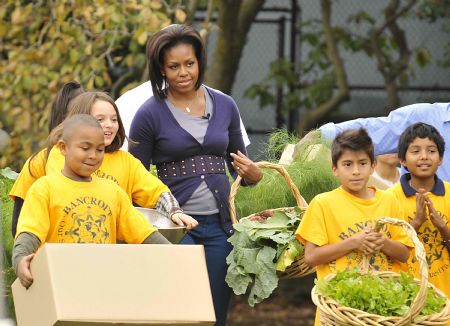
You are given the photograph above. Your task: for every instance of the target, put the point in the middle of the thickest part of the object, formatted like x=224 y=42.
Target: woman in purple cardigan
x=190 y=131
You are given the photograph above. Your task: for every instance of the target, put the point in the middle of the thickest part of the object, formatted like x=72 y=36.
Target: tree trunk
x=234 y=22
x=312 y=117
x=389 y=68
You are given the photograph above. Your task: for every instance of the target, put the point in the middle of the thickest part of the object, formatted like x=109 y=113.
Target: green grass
x=6 y=205
x=310 y=172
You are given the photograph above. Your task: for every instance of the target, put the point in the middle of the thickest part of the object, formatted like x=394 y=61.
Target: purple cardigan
x=161 y=139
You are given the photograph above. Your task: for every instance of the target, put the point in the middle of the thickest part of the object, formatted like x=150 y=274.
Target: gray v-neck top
x=202 y=201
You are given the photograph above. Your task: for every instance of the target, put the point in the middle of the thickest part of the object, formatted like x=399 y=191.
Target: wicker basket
x=335 y=314
x=298 y=268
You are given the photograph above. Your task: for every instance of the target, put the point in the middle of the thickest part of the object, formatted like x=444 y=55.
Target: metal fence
x=277 y=32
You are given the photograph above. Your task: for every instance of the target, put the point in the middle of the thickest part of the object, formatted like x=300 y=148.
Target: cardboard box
x=88 y=284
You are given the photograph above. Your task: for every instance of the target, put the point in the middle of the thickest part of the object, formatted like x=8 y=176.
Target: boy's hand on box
x=24 y=272
x=184 y=219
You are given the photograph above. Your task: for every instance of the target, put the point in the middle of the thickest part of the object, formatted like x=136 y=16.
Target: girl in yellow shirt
x=34 y=167
x=143 y=188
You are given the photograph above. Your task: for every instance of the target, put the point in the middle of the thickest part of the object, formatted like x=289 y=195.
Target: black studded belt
x=195 y=165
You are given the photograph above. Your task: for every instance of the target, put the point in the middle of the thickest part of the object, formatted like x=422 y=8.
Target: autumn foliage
x=44 y=44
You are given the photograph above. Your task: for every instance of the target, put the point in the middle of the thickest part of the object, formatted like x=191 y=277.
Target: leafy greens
x=260 y=250
x=391 y=296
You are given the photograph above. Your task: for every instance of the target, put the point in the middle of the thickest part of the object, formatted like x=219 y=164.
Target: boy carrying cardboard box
x=74 y=206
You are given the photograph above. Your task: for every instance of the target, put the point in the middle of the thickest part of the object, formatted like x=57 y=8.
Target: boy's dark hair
x=72 y=124
x=166 y=39
x=59 y=106
x=354 y=140
x=420 y=130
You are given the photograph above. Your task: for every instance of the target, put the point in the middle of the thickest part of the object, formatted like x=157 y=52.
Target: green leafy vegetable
x=391 y=296
x=260 y=250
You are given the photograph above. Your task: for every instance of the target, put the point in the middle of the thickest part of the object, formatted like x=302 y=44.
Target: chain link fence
x=277 y=29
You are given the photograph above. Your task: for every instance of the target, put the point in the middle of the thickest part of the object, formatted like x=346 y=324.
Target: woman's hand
x=246 y=168
x=184 y=220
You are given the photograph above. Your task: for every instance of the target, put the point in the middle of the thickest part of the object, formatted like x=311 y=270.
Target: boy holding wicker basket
x=337 y=228
x=425 y=199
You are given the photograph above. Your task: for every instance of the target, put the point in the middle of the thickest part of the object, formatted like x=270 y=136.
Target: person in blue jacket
x=385 y=131
x=192 y=132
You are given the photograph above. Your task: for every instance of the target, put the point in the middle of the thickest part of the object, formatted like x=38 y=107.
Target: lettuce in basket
x=391 y=296
x=260 y=250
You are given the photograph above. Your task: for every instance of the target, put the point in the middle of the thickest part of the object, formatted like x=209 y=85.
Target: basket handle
x=419 y=300
x=301 y=202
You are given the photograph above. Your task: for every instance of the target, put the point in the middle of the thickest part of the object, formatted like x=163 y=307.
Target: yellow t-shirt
x=25 y=178
x=58 y=209
x=334 y=216
x=438 y=257
x=337 y=215
x=141 y=186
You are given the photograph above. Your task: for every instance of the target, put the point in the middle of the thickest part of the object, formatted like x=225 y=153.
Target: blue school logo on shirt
x=377 y=262
x=88 y=226
x=432 y=240
x=86 y=220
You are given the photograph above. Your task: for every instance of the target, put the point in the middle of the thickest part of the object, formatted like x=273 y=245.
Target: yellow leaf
x=74 y=56
x=116 y=17
x=16 y=111
x=156 y=4
x=53 y=86
x=90 y=84
x=142 y=38
x=98 y=27
x=106 y=78
x=17 y=16
x=88 y=49
x=25 y=102
x=3 y=30
x=100 y=11
x=27 y=82
x=180 y=15
x=99 y=81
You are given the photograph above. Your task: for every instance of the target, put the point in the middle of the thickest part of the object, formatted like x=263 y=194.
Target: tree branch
x=343 y=93
x=389 y=68
x=190 y=11
x=234 y=21
x=394 y=16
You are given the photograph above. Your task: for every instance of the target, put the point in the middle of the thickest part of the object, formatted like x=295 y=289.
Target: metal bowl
x=174 y=233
